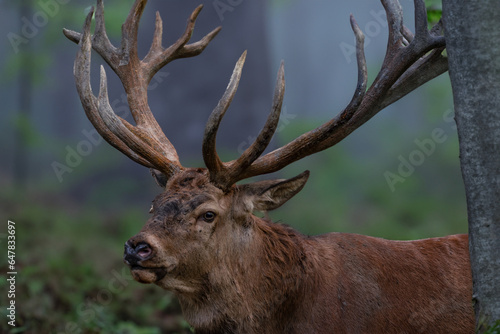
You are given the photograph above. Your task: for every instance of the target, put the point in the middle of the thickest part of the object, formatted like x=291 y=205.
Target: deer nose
x=135 y=253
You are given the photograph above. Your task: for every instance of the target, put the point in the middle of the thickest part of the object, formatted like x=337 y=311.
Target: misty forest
x=75 y=200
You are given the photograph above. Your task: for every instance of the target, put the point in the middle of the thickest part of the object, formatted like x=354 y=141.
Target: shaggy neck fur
x=256 y=289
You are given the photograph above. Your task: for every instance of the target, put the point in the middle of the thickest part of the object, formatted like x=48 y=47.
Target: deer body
x=243 y=274
x=236 y=273
x=336 y=283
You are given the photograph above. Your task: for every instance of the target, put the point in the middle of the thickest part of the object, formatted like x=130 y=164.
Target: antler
x=145 y=142
x=226 y=174
x=410 y=61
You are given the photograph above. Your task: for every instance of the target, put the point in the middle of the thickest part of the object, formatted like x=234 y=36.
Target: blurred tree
x=30 y=55
x=473 y=44
x=25 y=95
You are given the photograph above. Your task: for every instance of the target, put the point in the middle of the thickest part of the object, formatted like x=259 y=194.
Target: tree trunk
x=473 y=46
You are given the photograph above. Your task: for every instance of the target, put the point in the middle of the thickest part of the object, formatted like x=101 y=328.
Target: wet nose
x=135 y=253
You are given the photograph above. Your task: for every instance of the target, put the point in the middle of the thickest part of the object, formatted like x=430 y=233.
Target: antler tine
x=235 y=169
x=267 y=132
x=130 y=31
x=425 y=69
x=101 y=43
x=194 y=49
x=72 y=35
x=89 y=102
x=156 y=46
x=145 y=143
x=210 y=156
x=100 y=40
x=124 y=131
x=360 y=91
x=408 y=35
x=394 y=14
x=437 y=29
x=406 y=66
x=224 y=175
x=158 y=57
x=420 y=19
x=424 y=40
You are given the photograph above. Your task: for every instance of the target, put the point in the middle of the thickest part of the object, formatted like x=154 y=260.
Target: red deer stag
x=234 y=272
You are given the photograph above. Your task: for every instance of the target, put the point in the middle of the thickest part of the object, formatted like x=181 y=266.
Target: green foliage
x=28 y=134
x=71 y=278
x=434 y=11
x=493 y=329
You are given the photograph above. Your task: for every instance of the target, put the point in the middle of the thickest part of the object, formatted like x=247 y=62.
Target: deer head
x=203 y=221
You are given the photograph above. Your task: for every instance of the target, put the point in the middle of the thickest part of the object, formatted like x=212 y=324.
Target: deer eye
x=208 y=216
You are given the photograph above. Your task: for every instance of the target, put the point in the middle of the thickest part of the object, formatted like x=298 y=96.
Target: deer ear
x=269 y=195
x=160 y=178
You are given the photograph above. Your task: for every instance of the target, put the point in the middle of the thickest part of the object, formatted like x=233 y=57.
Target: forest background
x=75 y=200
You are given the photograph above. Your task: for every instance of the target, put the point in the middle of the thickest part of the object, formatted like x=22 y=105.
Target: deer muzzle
x=134 y=254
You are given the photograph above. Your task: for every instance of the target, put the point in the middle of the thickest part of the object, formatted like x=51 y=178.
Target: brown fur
x=244 y=274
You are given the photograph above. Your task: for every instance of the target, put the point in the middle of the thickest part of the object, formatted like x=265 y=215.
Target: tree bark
x=473 y=46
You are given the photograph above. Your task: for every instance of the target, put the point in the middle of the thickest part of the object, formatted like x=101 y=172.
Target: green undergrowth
x=493 y=329
x=71 y=278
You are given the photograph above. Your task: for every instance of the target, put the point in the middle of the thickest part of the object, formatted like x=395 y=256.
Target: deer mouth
x=146 y=266
x=144 y=274
x=147 y=275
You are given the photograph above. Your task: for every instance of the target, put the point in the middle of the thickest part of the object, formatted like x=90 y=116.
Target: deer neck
x=257 y=287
